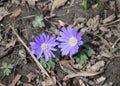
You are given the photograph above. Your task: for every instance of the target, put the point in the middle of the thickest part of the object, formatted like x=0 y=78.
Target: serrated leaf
x=7 y=72
x=38 y=22
x=90 y=51
x=4 y=65
x=82 y=58
x=10 y=66
x=51 y=64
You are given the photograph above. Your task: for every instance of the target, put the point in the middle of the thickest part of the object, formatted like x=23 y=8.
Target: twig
x=33 y=57
x=80 y=74
x=115 y=43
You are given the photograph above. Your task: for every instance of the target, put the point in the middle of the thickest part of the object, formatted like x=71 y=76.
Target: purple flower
x=70 y=41
x=44 y=44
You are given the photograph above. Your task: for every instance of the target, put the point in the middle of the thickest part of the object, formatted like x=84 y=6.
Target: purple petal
x=33 y=45
x=37 y=40
x=80 y=43
x=39 y=54
x=66 y=50
x=46 y=56
x=79 y=36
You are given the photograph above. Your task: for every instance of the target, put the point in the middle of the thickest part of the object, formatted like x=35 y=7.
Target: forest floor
x=100 y=25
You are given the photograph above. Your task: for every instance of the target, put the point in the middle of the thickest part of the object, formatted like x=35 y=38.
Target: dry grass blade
x=80 y=74
x=33 y=57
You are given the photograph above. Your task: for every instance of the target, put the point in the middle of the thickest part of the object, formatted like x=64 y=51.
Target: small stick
x=115 y=43
x=33 y=57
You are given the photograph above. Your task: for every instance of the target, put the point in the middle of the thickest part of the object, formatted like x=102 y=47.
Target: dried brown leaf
x=57 y=4
x=3 y=13
x=109 y=18
x=48 y=82
x=97 y=65
x=16 y=12
x=11 y=44
x=31 y=76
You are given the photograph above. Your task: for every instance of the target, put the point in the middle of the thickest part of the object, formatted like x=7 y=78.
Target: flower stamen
x=72 y=41
x=44 y=46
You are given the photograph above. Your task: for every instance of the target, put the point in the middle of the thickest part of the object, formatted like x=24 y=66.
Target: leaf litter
x=102 y=30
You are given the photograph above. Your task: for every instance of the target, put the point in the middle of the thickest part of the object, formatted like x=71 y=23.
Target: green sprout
x=38 y=22
x=7 y=68
x=86 y=4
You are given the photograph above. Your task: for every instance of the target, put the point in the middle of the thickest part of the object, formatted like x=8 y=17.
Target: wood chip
x=109 y=18
x=97 y=66
x=48 y=82
x=16 y=12
x=15 y=80
x=11 y=44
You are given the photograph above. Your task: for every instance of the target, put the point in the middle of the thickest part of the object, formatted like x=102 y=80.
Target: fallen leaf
x=48 y=82
x=67 y=66
x=16 y=12
x=11 y=44
x=30 y=76
x=3 y=13
x=97 y=66
x=109 y=18
x=57 y=4
x=15 y=80
x=99 y=80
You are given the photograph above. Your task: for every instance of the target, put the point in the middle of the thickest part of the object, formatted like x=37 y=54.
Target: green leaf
x=7 y=72
x=90 y=51
x=82 y=58
x=4 y=65
x=113 y=50
x=10 y=66
x=38 y=22
x=51 y=64
x=105 y=84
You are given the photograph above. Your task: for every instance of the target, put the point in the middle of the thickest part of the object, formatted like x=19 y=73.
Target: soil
x=12 y=50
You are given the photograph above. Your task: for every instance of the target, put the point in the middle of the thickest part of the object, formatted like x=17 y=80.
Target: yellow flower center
x=72 y=41
x=44 y=46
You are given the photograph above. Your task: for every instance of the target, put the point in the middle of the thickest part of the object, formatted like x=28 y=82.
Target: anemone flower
x=70 y=41
x=44 y=44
